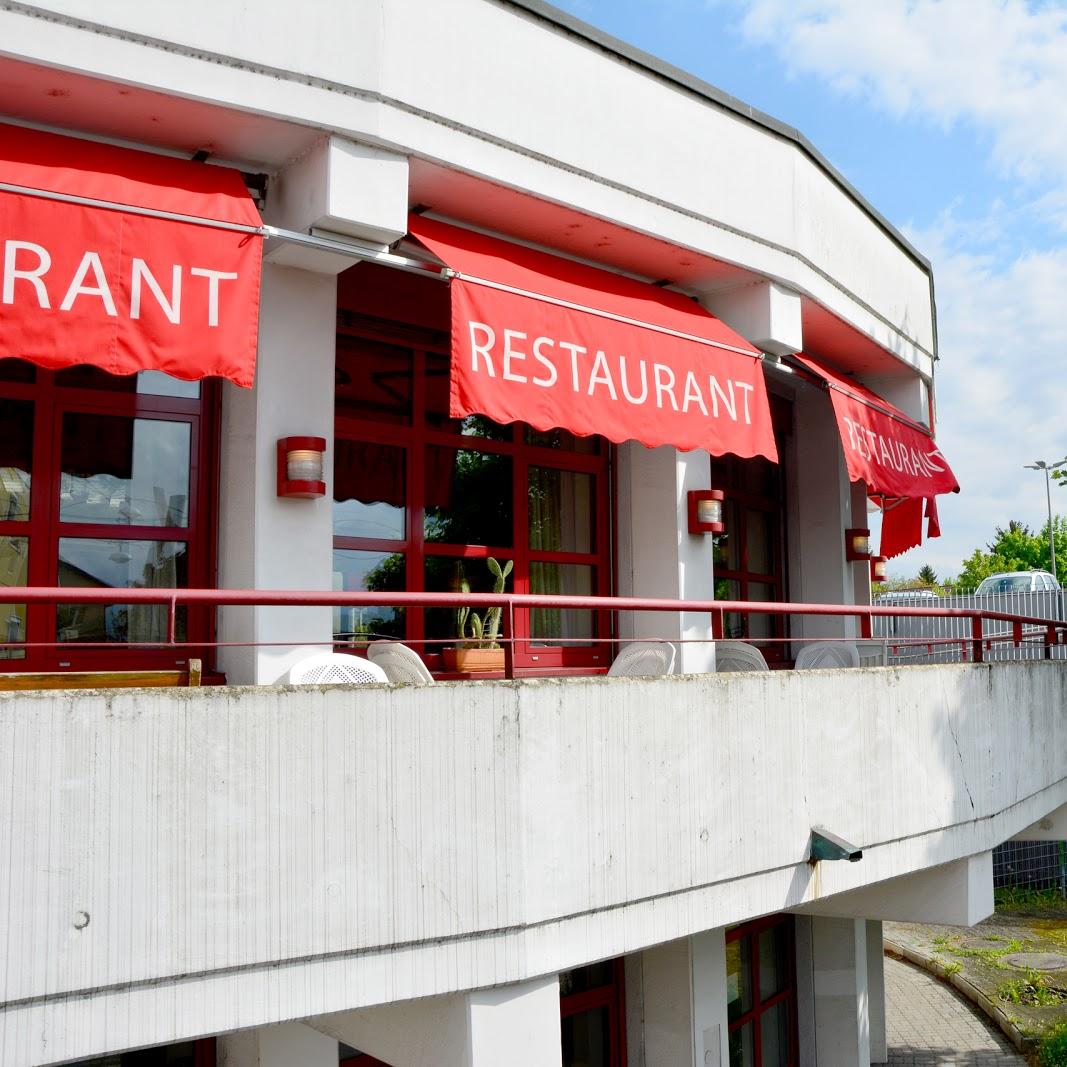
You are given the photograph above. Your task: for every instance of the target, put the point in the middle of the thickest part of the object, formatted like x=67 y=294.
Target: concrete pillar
x=839 y=972
x=266 y=542
x=287 y=1045
x=668 y=1011
x=876 y=991
x=515 y=1024
x=822 y=499
x=710 y=1024
x=658 y=557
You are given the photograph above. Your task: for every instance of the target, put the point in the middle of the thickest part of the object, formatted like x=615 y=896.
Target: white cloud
x=999 y=66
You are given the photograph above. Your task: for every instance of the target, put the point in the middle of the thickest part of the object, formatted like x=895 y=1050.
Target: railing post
x=976 y=639
x=866 y=626
x=172 y=613
x=718 y=627
x=1050 y=640
x=509 y=641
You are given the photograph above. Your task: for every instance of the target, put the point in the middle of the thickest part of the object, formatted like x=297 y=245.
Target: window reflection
x=369 y=490
x=124 y=471
x=16 y=459
x=468 y=497
x=14 y=570
x=560 y=510
x=567 y=579
x=375 y=572
x=115 y=563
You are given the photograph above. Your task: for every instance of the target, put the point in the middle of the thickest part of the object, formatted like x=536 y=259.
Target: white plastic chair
x=827 y=654
x=399 y=662
x=738 y=656
x=643 y=659
x=335 y=668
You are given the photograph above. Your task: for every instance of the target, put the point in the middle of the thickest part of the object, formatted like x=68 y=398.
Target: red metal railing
x=1023 y=628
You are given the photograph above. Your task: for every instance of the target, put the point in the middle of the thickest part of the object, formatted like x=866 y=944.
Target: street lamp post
x=1041 y=465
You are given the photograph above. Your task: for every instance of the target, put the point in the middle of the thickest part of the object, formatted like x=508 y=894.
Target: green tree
x=927 y=575
x=1015 y=548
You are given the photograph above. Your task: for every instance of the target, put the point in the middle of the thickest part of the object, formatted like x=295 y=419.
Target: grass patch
x=992 y=956
x=1032 y=989
x=1016 y=898
x=1053 y=1048
x=953 y=968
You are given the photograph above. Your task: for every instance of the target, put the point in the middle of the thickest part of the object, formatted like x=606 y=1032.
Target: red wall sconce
x=300 y=467
x=706 y=511
x=857 y=545
x=879 y=568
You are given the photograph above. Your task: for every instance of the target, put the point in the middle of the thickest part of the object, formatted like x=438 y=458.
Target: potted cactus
x=478 y=632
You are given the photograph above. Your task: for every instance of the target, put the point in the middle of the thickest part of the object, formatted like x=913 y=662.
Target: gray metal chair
x=827 y=654
x=335 y=668
x=399 y=662
x=738 y=656
x=643 y=659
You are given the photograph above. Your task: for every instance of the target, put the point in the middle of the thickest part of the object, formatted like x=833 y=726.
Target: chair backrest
x=335 y=668
x=822 y=654
x=738 y=656
x=643 y=659
x=400 y=663
x=873 y=652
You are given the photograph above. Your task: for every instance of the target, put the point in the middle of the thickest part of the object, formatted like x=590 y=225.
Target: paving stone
x=928 y=1024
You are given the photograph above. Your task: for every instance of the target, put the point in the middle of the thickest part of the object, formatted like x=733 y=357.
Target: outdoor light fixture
x=706 y=511
x=828 y=846
x=857 y=544
x=879 y=566
x=300 y=467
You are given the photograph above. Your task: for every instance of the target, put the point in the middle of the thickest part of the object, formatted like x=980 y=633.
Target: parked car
x=1017 y=582
x=899 y=595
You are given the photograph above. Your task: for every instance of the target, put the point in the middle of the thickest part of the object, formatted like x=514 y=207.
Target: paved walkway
x=929 y=1024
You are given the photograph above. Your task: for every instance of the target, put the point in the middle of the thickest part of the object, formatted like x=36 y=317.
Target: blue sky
x=949 y=117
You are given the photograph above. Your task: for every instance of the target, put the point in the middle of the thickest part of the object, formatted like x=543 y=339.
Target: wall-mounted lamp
x=857 y=545
x=879 y=568
x=300 y=467
x=706 y=511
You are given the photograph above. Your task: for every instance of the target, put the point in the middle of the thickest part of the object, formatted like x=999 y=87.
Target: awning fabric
x=555 y=343
x=897 y=458
x=91 y=273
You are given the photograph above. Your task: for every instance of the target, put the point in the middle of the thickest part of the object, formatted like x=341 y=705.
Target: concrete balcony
x=187 y=862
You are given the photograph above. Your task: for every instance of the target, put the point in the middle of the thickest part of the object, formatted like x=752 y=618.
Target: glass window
x=438 y=387
x=742 y=1047
x=124 y=471
x=373 y=380
x=16 y=370
x=114 y=563
x=369 y=490
x=563 y=440
x=586 y=1038
x=375 y=572
x=773 y=961
x=156 y=383
x=16 y=459
x=566 y=579
x=738 y=978
x=774 y=1036
x=561 y=510
x=468 y=497
x=14 y=553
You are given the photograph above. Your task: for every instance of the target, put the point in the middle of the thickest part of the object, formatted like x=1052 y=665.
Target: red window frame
x=788 y=994
x=51 y=400
x=611 y=996
x=414 y=438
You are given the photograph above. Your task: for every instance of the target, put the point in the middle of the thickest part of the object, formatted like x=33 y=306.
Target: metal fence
x=904 y=635
x=1040 y=865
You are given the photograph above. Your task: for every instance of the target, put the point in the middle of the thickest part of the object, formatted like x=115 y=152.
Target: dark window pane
x=773 y=961
x=113 y=563
x=16 y=370
x=565 y=579
x=16 y=459
x=759 y=541
x=468 y=497
x=369 y=490
x=375 y=572
x=183 y=1055
x=742 y=1047
x=563 y=440
x=86 y=377
x=124 y=471
x=586 y=1038
x=761 y=625
x=373 y=380
x=581 y=979
x=774 y=1036
x=438 y=384
x=14 y=553
x=738 y=978
x=561 y=508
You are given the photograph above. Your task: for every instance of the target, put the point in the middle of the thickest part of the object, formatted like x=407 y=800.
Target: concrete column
x=668 y=1011
x=658 y=557
x=515 y=1024
x=710 y=1024
x=839 y=963
x=876 y=991
x=266 y=542
x=287 y=1045
x=822 y=498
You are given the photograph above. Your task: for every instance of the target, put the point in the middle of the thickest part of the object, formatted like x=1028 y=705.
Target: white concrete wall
x=438 y=82
x=191 y=862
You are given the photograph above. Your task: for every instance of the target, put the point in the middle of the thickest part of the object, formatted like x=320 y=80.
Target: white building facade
x=559 y=868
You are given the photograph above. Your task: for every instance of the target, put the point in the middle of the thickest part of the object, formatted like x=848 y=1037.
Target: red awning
x=895 y=456
x=551 y=342
x=125 y=260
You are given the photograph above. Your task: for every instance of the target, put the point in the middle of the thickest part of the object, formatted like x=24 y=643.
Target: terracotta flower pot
x=474 y=660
